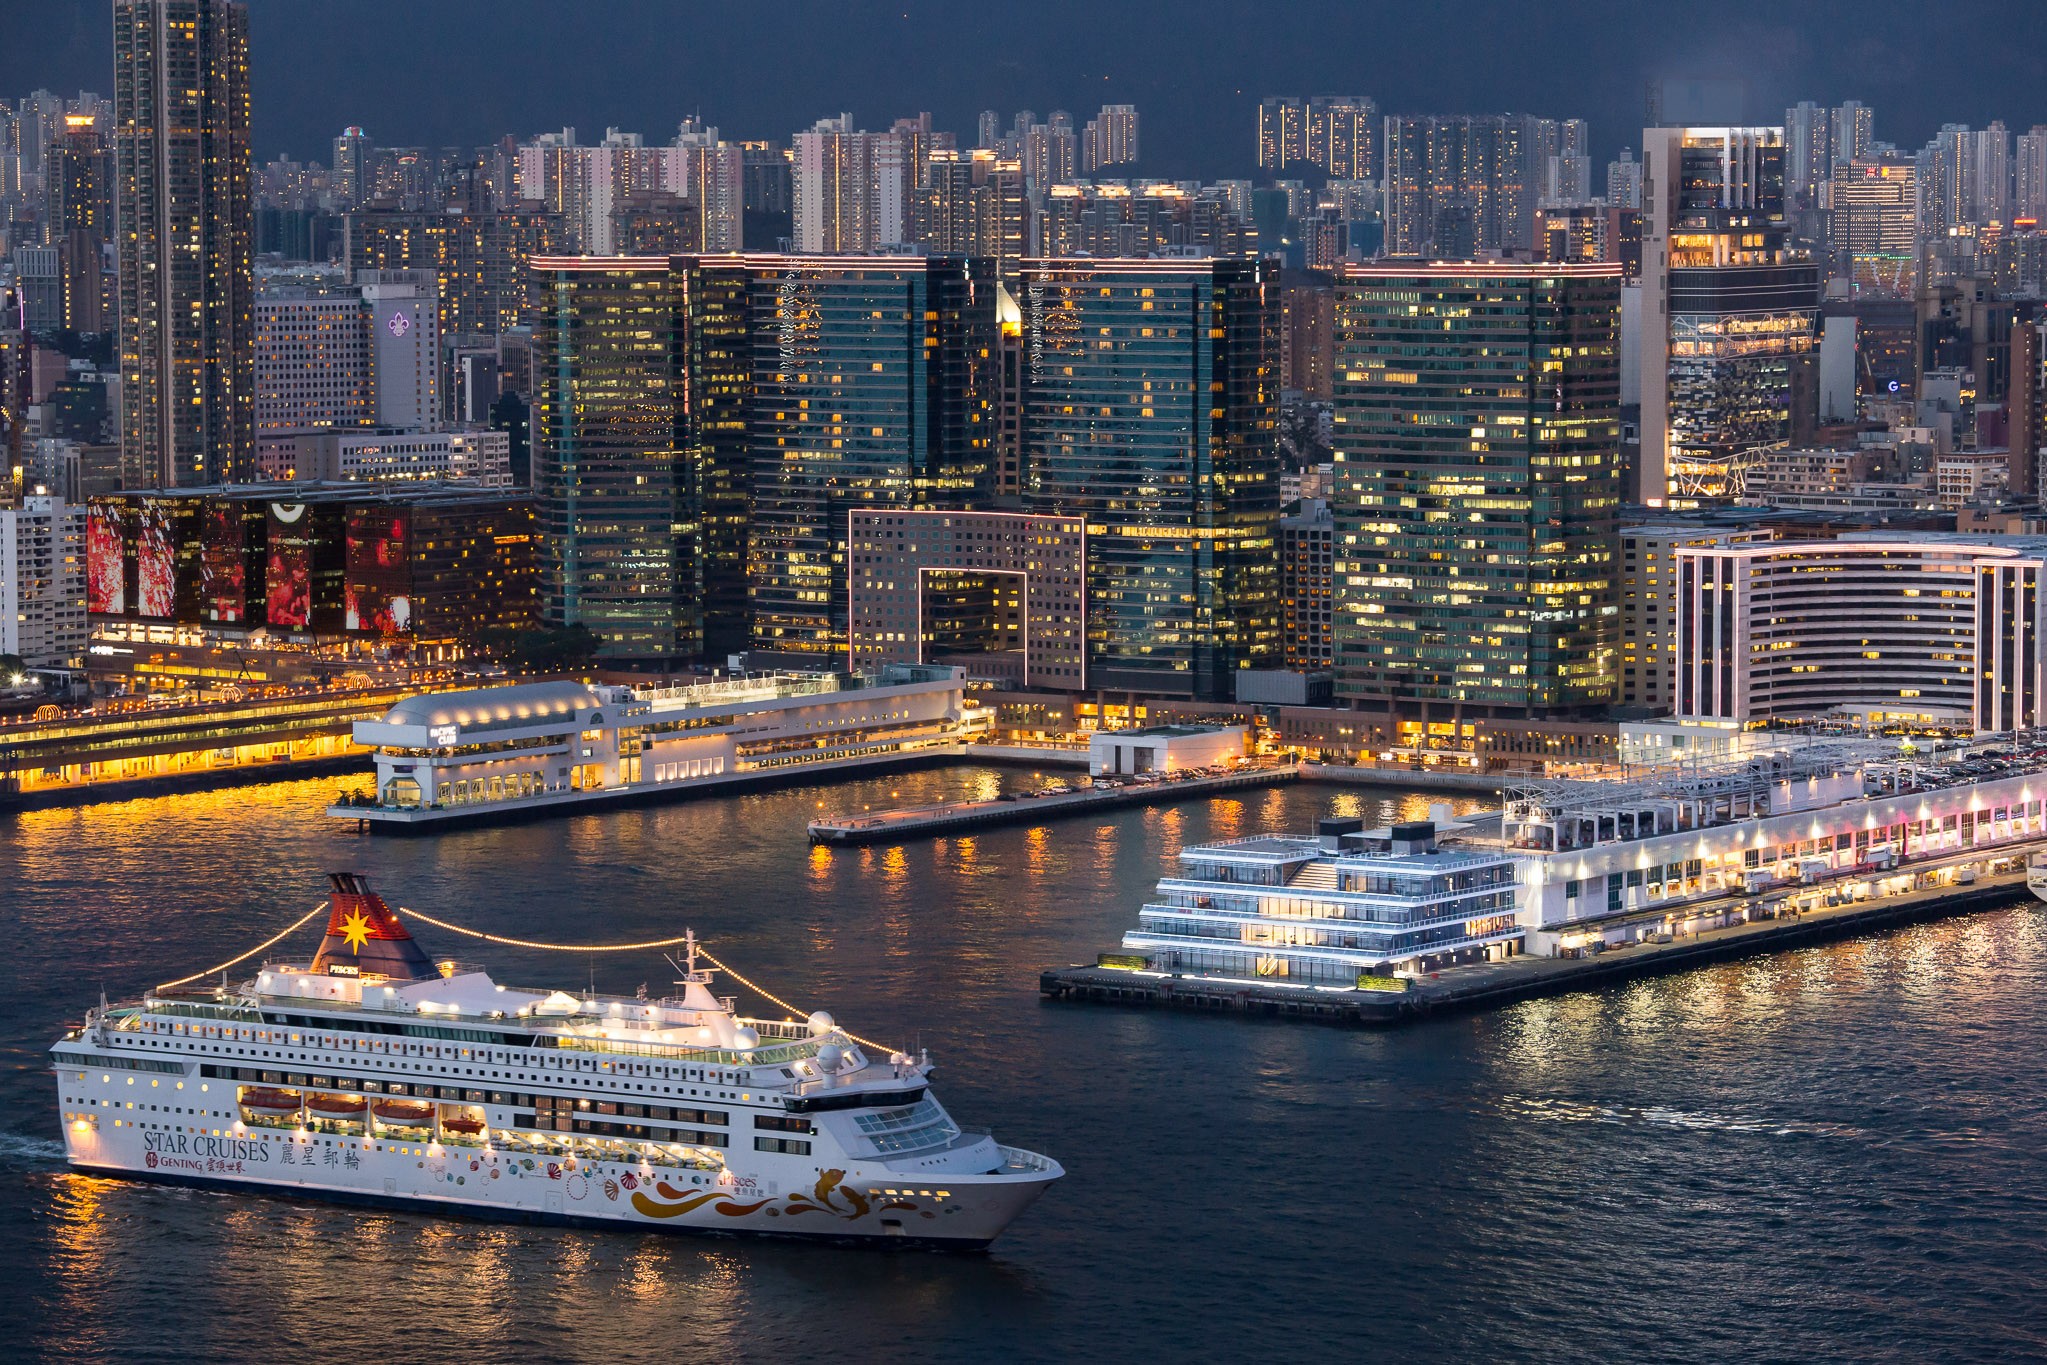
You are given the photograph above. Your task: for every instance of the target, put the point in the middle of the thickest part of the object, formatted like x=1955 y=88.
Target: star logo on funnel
x=356 y=930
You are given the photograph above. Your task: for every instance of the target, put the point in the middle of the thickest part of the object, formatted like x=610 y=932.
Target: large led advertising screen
x=223 y=574
x=106 y=548
x=156 y=562
x=288 y=579
x=379 y=580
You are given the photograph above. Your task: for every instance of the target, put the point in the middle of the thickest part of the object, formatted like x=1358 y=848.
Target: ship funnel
x=365 y=939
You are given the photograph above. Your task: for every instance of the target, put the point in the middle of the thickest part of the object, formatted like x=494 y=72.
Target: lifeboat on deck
x=264 y=1100
x=411 y=1113
x=346 y=1107
x=463 y=1124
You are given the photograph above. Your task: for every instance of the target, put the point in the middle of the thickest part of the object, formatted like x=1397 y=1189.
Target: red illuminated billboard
x=288 y=581
x=379 y=577
x=156 y=562
x=106 y=546
x=223 y=575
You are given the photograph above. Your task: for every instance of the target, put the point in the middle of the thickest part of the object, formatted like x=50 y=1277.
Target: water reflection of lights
x=1227 y=816
x=1036 y=841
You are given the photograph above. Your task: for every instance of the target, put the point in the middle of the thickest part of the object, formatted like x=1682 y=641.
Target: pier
x=156 y=751
x=1464 y=989
x=913 y=822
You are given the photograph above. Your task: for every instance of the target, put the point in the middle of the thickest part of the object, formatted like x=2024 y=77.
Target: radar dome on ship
x=830 y=1055
x=821 y=1024
x=745 y=1039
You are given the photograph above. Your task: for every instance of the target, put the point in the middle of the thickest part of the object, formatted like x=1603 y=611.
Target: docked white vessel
x=373 y=1076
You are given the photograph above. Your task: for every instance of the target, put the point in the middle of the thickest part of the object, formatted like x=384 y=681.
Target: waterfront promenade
x=916 y=822
x=158 y=750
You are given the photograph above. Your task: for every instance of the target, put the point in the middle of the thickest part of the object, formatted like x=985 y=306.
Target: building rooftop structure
x=525 y=746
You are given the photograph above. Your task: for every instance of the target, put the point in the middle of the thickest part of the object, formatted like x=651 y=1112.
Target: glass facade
x=1736 y=308
x=1736 y=333
x=1477 y=485
x=618 y=506
x=874 y=386
x=1150 y=401
x=1285 y=907
x=719 y=380
x=184 y=211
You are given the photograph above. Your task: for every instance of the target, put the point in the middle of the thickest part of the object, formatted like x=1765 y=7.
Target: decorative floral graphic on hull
x=830 y=1195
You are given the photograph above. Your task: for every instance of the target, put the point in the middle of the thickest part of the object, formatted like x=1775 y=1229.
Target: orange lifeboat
x=264 y=1100
x=337 y=1106
x=410 y=1112
x=464 y=1125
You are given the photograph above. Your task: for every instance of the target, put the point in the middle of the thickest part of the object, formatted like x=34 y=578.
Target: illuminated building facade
x=718 y=375
x=1151 y=396
x=973 y=204
x=428 y=564
x=387 y=455
x=1728 y=309
x=1110 y=139
x=1944 y=630
x=1339 y=133
x=1477 y=486
x=1307 y=562
x=617 y=513
x=79 y=189
x=42 y=582
x=479 y=258
x=1590 y=232
x=313 y=361
x=1001 y=594
x=1111 y=218
x=875 y=385
x=1648 y=576
x=184 y=211
x=1875 y=224
x=1457 y=186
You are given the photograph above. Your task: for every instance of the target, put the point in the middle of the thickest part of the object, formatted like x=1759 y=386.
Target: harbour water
x=1833 y=1153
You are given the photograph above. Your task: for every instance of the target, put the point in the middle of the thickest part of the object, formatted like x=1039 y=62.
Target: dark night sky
x=460 y=72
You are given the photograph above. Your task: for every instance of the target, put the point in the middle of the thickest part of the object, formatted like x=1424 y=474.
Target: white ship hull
x=953 y=1210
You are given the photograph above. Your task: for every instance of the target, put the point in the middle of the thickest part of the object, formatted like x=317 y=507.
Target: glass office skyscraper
x=1477 y=486
x=874 y=385
x=1728 y=309
x=620 y=514
x=1151 y=396
x=184 y=214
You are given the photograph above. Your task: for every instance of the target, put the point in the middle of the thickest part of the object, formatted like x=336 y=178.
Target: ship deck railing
x=799 y=1043
x=1017 y=1159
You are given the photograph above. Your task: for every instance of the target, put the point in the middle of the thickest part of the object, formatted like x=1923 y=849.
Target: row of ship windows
x=416 y=1066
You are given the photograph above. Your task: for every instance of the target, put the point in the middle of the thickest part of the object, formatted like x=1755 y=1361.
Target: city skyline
x=1197 y=87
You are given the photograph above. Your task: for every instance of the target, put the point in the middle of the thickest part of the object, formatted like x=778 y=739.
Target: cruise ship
x=375 y=1075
